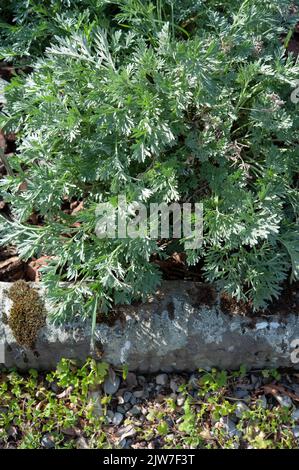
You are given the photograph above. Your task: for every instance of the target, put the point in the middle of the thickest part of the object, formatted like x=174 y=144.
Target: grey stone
x=230 y=428
x=47 y=442
x=54 y=387
x=111 y=385
x=173 y=385
x=126 y=431
x=284 y=400
x=127 y=396
x=117 y=419
x=255 y=380
x=131 y=380
x=180 y=400
x=141 y=380
x=241 y=408
x=136 y=410
x=262 y=402
x=120 y=400
x=197 y=336
x=193 y=382
x=295 y=432
x=241 y=393
x=121 y=409
x=162 y=379
x=81 y=443
x=110 y=416
x=138 y=393
x=295 y=415
x=123 y=443
x=133 y=400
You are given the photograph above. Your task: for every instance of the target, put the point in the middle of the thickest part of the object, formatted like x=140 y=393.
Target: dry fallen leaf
x=274 y=389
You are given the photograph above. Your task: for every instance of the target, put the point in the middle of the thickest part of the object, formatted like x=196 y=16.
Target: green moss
x=27 y=314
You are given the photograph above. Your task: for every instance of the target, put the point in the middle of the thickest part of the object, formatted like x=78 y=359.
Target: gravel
x=147 y=418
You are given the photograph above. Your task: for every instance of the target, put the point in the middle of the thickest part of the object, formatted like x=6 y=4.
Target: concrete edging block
x=173 y=331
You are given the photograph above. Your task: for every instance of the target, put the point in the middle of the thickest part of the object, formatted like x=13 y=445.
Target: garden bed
x=204 y=114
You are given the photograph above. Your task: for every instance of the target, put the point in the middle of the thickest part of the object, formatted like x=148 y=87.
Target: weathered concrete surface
x=173 y=331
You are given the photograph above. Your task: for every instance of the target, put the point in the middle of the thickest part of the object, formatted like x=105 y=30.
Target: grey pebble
x=47 y=442
x=180 y=400
x=173 y=385
x=241 y=394
x=111 y=385
x=230 y=427
x=295 y=415
x=262 y=402
x=295 y=432
x=126 y=431
x=117 y=418
x=241 y=407
x=162 y=379
x=141 y=380
x=136 y=410
x=121 y=409
x=284 y=400
x=133 y=400
x=131 y=380
x=127 y=396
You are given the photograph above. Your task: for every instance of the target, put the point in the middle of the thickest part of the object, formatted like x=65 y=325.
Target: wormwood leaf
x=291 y=243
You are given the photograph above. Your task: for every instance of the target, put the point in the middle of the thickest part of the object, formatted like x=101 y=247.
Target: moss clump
x=27 y=314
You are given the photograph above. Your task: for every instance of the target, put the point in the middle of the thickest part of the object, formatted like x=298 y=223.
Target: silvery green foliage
x=164 y=101
x=27 y=26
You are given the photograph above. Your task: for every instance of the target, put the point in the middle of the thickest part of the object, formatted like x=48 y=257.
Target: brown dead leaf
x=78 y=208
x=32 y=271
x=23 y=186
x=274 y=389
